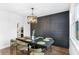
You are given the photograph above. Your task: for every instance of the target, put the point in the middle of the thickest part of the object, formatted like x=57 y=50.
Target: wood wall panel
x=55 y=26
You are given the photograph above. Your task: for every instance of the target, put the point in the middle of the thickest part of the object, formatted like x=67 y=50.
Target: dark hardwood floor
x=55 y=50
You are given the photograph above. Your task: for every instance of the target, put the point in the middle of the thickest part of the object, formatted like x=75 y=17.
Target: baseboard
x=3 y=47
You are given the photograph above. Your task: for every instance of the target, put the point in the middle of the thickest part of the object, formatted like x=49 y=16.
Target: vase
x=33 y=38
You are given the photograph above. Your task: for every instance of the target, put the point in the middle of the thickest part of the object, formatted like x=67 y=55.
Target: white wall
x=72 y=20
x=8 y=27
x=74 y=43
x=26 y=27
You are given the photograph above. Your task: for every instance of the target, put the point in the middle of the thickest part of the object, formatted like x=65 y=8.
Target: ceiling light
x=32 y=18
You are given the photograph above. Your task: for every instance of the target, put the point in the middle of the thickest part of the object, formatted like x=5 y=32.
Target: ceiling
x=40 y=9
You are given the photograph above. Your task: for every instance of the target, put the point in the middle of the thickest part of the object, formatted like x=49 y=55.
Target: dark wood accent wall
x=55 y=26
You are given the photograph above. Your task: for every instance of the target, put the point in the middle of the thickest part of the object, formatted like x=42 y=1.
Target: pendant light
x=32 y=18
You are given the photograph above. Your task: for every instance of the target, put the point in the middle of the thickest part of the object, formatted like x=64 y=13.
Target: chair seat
x=24 y=48
x=36 y=53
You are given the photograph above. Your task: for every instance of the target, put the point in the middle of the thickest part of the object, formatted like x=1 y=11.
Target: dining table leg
x=28 y=50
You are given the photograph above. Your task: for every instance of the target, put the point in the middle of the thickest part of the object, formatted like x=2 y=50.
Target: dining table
x=38 y=42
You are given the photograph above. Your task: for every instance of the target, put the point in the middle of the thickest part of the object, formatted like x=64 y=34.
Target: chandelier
x=32 y=18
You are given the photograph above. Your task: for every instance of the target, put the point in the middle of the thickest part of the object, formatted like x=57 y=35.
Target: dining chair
x=37 y=52
x=21 y=48
x=13 y=46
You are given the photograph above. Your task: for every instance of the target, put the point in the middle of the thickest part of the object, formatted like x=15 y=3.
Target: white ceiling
x=40 y=9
